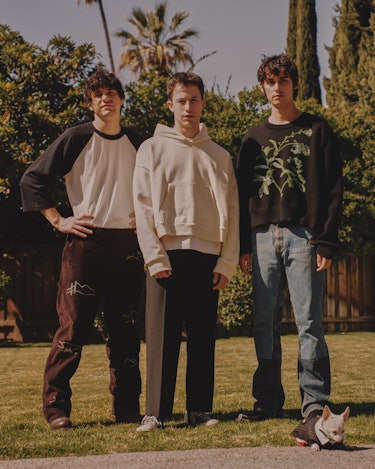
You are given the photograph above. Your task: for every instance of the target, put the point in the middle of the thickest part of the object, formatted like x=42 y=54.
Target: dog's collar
x=322 y=437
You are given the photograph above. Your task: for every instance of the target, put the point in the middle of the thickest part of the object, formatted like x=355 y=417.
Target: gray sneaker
x=199 y=418
x=149 y=423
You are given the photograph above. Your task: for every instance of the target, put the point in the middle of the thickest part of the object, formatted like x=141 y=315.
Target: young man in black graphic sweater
x=290 y=188
x=101 y=261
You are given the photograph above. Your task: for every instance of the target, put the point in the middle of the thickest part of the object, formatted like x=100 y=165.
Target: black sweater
x=291 y=174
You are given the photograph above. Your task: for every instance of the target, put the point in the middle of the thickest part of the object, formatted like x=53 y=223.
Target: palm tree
x=108 y=41
x=156 y=45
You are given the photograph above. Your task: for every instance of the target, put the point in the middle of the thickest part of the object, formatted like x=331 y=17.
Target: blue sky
x=239 y=30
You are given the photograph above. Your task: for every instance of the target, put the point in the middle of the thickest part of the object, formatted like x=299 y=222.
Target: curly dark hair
x=186 y=79
x=102 y=79
x=277 y=64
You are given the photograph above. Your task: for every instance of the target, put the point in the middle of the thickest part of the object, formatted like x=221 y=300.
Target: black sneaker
x=199 y=418
x=257 y=415
x=315 y=413
x=128 y=418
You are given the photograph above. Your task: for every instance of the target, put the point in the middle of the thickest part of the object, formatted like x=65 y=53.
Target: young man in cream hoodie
x=186 y=205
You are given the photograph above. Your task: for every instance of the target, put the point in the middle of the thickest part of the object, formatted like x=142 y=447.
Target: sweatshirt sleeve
x=327 y=241
x=57 y=160
x=228 y=260
x=244 y=186
x=152 y=249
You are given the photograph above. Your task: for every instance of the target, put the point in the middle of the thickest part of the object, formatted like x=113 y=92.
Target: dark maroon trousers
x=104 y=270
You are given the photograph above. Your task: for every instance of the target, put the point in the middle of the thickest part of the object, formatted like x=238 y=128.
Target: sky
x=240 y=31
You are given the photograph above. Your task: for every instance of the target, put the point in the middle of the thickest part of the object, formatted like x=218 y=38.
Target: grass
x=25 y=434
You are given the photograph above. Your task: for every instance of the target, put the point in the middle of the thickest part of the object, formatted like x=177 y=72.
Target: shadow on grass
x=356 y=409
x=11 y=344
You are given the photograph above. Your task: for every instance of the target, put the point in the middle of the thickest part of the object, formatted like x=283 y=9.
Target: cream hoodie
x=185 y=187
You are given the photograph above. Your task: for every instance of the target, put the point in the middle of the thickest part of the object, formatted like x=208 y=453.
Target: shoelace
x=150 y=419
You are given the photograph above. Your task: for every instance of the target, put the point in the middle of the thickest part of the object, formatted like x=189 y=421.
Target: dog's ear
x=346 y=413
x=326 y=413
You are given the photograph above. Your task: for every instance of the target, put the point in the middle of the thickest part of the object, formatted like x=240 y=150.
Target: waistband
x=113 y=230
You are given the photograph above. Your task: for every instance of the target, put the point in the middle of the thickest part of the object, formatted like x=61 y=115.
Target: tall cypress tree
x=351 y=56
x=366 y=63
x=301 y=45
x=291 y=42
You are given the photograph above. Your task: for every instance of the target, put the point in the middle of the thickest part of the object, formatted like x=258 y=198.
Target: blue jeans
x=286 y=256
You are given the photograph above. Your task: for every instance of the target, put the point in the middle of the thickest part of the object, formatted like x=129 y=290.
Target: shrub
x=235 y=302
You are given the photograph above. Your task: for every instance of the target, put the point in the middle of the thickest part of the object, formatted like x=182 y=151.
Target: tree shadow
x=356 y=409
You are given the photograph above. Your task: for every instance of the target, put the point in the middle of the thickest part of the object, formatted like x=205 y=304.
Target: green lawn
x=25 y=434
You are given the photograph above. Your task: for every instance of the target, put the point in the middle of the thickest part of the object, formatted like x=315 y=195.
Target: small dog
x=325 y=431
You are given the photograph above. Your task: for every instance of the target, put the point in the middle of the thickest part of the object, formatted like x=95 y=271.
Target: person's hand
x=163 y=274
x=219 y=281
x=80 y=226
x=245 y=263
x=323 y=263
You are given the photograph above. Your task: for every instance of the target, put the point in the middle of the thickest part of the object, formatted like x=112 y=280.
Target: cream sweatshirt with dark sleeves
x=98 y=172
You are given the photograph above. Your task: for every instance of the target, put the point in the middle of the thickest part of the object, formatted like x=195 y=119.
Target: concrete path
x=361 y=457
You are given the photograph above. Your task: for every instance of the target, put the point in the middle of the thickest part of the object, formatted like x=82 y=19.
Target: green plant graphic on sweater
x=271 y=169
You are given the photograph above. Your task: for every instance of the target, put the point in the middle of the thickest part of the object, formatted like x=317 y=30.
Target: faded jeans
x=286 y=256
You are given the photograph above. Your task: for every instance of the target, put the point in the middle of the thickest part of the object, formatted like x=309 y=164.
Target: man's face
x=187 y=106
x=105 y=103
x=278 y=88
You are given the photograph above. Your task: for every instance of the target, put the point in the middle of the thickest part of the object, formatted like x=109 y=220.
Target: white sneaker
x=149 y=423
x=199 y=418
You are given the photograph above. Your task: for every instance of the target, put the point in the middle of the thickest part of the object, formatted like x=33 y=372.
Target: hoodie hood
x=202 y=136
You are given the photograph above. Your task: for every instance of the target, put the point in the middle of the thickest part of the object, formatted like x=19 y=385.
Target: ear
x=326 y=412
x=345 y=414
x=261 y=87
x=170 y=105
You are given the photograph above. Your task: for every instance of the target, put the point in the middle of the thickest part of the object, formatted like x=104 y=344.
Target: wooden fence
x=30 y=314
x=34 y=270
x=349 y=303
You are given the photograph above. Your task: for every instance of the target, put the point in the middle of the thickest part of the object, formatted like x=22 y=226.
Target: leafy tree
x=301 y=46
x=355 y=132
x=351 y=47
x=146 y=103
x=228 y=117
x=357 y=148
x=352 y=86
x=366 y=63
x=40 y=96
x=106 y=33
x=156 y=45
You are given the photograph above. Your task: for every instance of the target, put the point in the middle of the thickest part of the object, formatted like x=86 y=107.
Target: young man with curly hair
x=101 y=262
